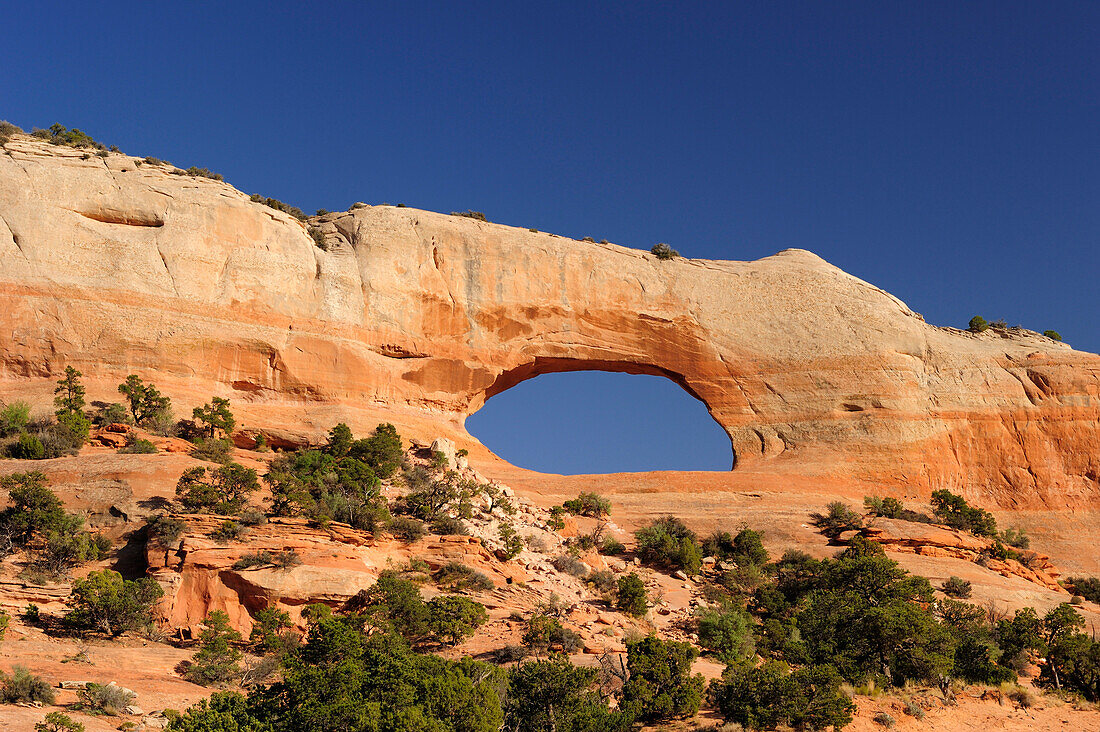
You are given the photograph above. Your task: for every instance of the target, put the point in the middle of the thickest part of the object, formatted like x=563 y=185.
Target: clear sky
x=948 y=152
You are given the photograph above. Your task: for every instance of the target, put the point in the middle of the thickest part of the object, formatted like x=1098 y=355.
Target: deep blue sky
x=948 y=152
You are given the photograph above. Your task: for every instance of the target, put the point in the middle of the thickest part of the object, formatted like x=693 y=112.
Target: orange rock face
x=418 y=318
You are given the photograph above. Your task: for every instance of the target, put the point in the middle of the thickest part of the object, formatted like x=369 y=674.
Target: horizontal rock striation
x=419 y=317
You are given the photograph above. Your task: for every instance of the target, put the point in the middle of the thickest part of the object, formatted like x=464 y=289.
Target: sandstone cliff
x=418 y=318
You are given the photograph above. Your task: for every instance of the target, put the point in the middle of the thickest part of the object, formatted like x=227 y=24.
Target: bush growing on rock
x=147 y=404
x=106 y=699
x=462 y=578
x=228 y=531
x=224 y=490
x=27 y=447
x=553 y=695
x=1086 y=587
x=166 y=532
x=589 y=504
x=113 y=413
x=512 y=543
x=138 y=446
x=956 y=587
x=58 y=722
x=215 y=417
x=663 y=251
x=767 y=696
x=213 y=449
x=954 y=511
x=670 y=543
x=631 y=597
x=270 y=631
x=453 y=619
x=217 y=660
x=279 y=206
x=1053 y=335
x=727 y=632
x=978 y=324
x=660 y=685
x=545 y=632
x=22 y=686
x=14 y=418
x=104 y=601
x=406 y=528
x=838 y=519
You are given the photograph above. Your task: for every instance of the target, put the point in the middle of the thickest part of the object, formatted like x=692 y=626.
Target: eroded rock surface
x=418 y=318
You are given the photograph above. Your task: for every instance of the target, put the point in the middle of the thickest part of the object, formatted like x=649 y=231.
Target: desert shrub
x=838 y=519
x=23 y=686
x=279 y=206
x=223 y=490
x=381 y=452
x=978 y=324
x=213 y=449
x=668 y=542
x=545 y=632
x=33 y=508
x=612 y=547
x=70 y=547
x=112 y=414
x=1016 y=538
x=5 y=621
x=1023 y=698
x=215 y=417
x=14 y=418
x=555 y=522
x=884 y=719
x=318 y=236
x=744 y=549
x=228 y=531
x=512 y=543
x=453 y=619
x=252 y=517
x=956 y=587
x=727 y=632
x=200 y=173
x=570 y=565
x=954 y=511
x=553 y=695
x=139 y=446
x=462 y=578
x=287 y=560
x=632 y=598
x=165 y=532
x=1086 y=587
x=592 y=505
x=449 y=495
x=58 y=134
x=449 y=526
x=105 y=602
x=477 y=215
x=660 y=685
x=1053 y=335
x=7 y=130
x=150 y=160
x=146 y=402
x=976 y=662
x=769 y=695
x=603 y=580
x=269 y=630
x=217 y=660
x=27 y=447
x=58 y=722
x=105 y=698
x=663 y=251
x=255 y=559
x=408 y=529
x=509 y=654
x=394 y=603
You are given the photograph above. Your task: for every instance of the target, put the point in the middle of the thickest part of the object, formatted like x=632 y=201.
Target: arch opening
x=576 y=418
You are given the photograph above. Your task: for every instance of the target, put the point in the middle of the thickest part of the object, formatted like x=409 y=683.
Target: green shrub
x=954 y=511
x=956 y=587
x=592 y=505
x=477 y=215
x=58 y=134
x=23 y=686
x=462 y=578
x=147 y=404
x=213 y=450
x=14 y=418
x=727 y=632
x=512 y=542
x=318 y=237
x=1016 y=538
x=269 y=631
x=223 y=490
x=5 y=621
x=200 y=173
x=663 y=251
x=69 y=547
x=612 y=547
x=1086 y=587
x=837 y=520
x=34 y=508
x=139 y=446
x=106 y=699
x=453 y=619
x=1053 y=335
x=113 y=413
x=668 y=542
x=978 y=324
x=553 y=695
x=394 y=604
x=105 y=602
x=544 y=633
x=660 y=685
x=217 y=660
x=58 y=722
x=632 y=598
x=166 y=532
x=279 y=206
x=570 y=565
x=767 y=696
x=449 y=526
x=408 y=529
x=27 y=447
x=215 y=417
x=228 y=531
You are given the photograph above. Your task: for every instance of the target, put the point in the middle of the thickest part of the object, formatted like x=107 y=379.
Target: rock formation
x=418 y=318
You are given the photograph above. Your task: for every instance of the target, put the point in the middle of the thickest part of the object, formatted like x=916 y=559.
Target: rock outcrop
x=418 y=318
